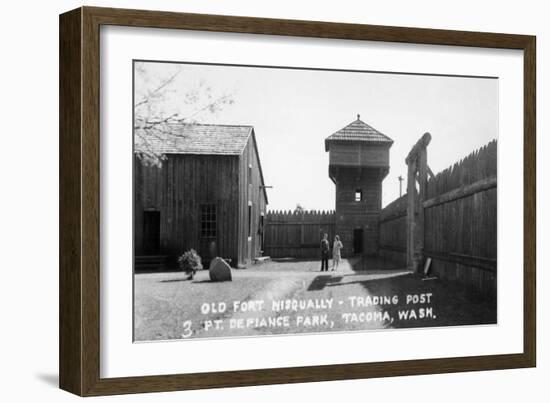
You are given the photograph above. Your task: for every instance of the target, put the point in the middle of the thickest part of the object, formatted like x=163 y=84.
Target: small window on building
x=249 y=174
x=208 y=220
x=249 y=220
x=358 y=195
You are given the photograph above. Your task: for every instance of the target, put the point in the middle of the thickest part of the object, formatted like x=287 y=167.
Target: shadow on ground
x=351 y=264
x=322 y=281
x=372 y=263
x=451 y=304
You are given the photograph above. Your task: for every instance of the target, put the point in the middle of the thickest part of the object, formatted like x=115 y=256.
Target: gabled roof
x=198 y=139
x=201 y=139
x=358 y=131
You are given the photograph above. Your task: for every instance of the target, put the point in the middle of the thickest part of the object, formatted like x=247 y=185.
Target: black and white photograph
x=275 y=201
x=270 y=200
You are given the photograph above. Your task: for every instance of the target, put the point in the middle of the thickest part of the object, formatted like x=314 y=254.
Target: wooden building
x=208 y=194
x=358 y=162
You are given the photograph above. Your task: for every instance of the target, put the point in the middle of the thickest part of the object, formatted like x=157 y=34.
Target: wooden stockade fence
x=296 y=234
x=451 y=219
x=459 y=222
x=393 y=231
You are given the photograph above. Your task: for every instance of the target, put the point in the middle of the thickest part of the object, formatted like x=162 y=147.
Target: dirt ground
x=289 y=296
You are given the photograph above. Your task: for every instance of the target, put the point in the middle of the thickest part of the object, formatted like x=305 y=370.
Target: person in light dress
x=336 y=255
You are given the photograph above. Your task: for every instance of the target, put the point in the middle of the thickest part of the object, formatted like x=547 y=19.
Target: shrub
x=190 y=262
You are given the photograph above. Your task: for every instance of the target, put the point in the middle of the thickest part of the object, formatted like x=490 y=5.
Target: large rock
x=219 y=270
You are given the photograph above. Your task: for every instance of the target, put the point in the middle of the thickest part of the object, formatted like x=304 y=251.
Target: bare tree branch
x=153 y=126
x=162 y=85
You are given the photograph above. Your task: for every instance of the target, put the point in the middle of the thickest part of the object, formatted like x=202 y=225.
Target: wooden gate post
x=411 y=206
x=417 y=165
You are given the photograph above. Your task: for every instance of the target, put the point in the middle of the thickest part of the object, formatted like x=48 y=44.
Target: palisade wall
x=460 y=218
x=393 y=231
x=296 y=234
x=461 y=221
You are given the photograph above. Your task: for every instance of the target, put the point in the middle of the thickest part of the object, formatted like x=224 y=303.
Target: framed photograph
x=249 y=201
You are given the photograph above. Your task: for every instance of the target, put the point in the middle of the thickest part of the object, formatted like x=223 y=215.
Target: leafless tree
x=164 y=98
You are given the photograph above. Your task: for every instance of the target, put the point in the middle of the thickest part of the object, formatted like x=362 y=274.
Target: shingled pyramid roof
x=358 y=131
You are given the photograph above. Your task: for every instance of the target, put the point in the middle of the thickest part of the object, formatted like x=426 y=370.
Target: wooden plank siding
x=183 y=183
x=251 y=191
x=344 y=154
x=358 y=162
x=460 y=223
x=297 y=235
x=393 y=231
x=177 y=190
x=352 y=214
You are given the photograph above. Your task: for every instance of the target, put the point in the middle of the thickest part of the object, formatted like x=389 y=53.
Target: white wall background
x=29 y=198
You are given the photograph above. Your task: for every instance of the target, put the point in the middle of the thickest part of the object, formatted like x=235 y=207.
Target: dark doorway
x=151 y=232
x=358 y=240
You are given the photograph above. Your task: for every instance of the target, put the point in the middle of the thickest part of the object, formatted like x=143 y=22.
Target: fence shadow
x=451 y=303
x=368 y=263
x=321 y=281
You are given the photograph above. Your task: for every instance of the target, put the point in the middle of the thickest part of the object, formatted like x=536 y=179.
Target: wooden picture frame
x=79 y=280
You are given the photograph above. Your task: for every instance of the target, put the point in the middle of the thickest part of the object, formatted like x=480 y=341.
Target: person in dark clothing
x=325 y=252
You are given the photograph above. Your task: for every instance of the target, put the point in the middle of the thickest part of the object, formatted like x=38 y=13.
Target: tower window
x=358 y=195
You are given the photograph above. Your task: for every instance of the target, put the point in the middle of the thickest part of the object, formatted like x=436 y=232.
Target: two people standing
x=325 y=252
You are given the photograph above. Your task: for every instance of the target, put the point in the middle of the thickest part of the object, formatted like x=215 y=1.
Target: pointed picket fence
x=297 y=235
x=460 y=219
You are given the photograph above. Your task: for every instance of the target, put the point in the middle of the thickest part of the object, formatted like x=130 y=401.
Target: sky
x=294 y=110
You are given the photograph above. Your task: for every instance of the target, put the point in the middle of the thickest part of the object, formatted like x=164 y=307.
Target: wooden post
x=417 y=163
x=411 y=191
x=422 y=195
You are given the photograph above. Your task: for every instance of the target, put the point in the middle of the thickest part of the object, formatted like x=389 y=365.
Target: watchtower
x=358 y=162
